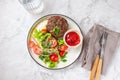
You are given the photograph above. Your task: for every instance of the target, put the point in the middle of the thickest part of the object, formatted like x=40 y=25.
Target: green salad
x=50 y=50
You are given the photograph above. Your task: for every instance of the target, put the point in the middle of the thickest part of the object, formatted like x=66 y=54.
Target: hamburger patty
x=57 y=26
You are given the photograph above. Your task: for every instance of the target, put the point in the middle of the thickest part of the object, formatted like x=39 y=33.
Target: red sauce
x=72 y=38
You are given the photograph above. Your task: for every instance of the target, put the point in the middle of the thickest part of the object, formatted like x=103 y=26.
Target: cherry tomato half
x=62 y=53
x=54 y=57
x=54 y=42
x=36 y=50
x=31 y=44
x=63 y=47
x=44 y=30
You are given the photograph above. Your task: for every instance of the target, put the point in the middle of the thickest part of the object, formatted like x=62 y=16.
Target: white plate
x=73 y=53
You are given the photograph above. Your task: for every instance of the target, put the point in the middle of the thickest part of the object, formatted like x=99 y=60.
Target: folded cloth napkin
x=92 y=47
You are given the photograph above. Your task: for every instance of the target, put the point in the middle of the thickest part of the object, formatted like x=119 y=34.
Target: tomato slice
x=36 y=50
x=62 y=53
x=54 y=42
x=54 y=57
x=63 y=47
x=31 y=44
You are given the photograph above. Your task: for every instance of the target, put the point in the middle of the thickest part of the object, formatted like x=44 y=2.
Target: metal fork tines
x=103 y=43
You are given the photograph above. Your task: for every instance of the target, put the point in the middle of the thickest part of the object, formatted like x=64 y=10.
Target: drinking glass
x=33 y=6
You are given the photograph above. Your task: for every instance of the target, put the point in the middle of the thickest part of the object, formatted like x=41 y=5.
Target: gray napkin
x=92 y=47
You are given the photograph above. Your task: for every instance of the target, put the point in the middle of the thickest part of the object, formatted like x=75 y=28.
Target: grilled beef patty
x=57 y=26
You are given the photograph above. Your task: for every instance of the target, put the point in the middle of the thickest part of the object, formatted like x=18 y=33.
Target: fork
x=97 y=65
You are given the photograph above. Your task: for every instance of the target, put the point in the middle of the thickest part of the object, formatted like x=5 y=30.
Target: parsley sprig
x=56 y=30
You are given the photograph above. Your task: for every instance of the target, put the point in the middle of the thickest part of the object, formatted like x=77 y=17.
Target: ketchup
x=72 y=38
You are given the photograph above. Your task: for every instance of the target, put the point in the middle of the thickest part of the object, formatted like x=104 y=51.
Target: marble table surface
x=15 y=22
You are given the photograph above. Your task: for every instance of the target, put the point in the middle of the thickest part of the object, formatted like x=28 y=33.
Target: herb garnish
x=56 y=30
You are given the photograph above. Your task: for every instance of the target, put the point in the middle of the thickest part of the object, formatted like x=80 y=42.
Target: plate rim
x=38 y=62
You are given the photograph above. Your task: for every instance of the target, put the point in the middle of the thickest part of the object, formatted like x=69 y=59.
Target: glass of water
x=33 y=6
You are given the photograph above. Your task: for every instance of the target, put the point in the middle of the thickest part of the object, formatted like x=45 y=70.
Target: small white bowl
x=80 y=35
